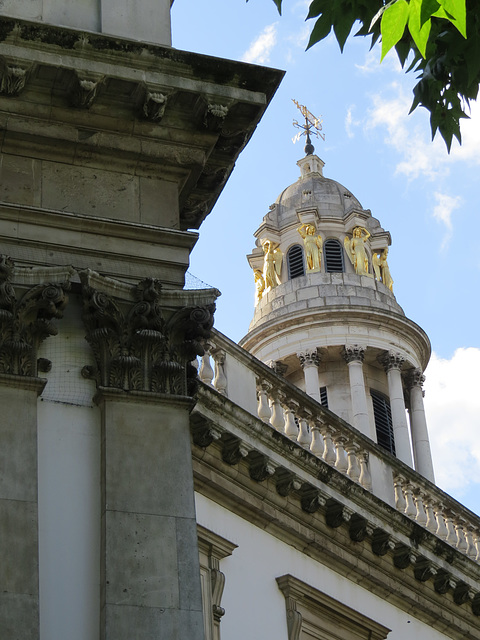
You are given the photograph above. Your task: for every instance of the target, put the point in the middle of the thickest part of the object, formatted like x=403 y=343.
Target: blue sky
x=426 y=198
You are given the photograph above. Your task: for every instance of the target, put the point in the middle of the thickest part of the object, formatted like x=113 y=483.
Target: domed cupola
x=326 y=315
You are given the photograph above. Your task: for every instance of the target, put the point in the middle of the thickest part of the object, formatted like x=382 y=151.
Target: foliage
x=440 y=39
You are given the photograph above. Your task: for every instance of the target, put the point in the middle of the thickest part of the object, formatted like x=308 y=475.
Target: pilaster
x=143 y=341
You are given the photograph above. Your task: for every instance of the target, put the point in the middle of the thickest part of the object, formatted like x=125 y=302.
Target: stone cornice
x=208 y=108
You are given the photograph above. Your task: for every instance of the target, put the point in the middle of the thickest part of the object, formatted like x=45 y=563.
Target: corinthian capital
x=141 y=337
x=353 y=353
x=414 y=378
x=27 y=312
x=391 y=360
x=309 y=358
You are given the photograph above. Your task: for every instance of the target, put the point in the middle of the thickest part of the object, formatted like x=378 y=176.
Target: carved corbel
x=294 y=619
x=336 y=514
x=359 y=528
x=214 y=117
x=203 y=432
x=154 y=105
x=286 y=482
x=403 y=556
x=424 y=570
x=278 y=366
x=84 y=90
x=311 y=499
x=462 y=593
x=217 y=579
x=476 y=605
x=26 y=316
x=260 y=467
x=234 y=450
x=443 y=582
x=382 y=543
x=13 y=77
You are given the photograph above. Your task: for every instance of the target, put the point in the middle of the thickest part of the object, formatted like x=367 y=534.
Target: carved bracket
x=13 y=77
x=336 y=514
x=381 y=542
x=84 y=90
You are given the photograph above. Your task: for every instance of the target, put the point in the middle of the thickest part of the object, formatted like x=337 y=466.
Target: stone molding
x=27 y=313
x=139 y=342
x=391 y=360
x=353 y=353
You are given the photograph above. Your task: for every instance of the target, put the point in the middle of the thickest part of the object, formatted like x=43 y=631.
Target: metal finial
x=312 y=125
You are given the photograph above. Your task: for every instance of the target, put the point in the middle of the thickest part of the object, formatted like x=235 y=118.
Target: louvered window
x=333 y=256
x=383 y=421
x=295 y=264
x=324 y=397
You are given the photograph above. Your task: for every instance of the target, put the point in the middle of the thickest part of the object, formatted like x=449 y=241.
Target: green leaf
x=342 y=28
x=278 y=4
x=428 y=9
x=418 y=31
x=393 y=24
x=321 y=29
x=316 y=8
x=458 y=10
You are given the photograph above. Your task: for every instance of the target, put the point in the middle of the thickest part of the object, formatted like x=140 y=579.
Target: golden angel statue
x=381 y=268
x=356 y=251
x=272 y=264
x=259 y=285
x=313 y=247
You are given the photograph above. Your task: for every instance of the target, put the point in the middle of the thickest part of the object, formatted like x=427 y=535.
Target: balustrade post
x=309 y=361
x=341 y=462
x=277 y=420
x=451 y=533
x=291 y=429
x=471 y=550
x=329 y=452
x=418 y=424
x=263 y=410
x=365 y=475
x=205 y=372
x=304 y=437
x=220 y=379
x=442 y=531
x=316 y=445
x=431 y=524
x=392 y=363
x=462 y=544
x=421 y=516
x=476 y=542
x=354 y=355
x=400 y=502
x=410 y=508
x=353 y=470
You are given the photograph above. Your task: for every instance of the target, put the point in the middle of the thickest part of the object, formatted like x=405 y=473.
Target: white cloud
x=452 y=403
x=350 y=121
x=260 y=49
x=442 y=212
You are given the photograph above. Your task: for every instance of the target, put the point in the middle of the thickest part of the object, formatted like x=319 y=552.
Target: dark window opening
x=295 y=264
x=323 y=397
x=333 y=256
x=383 y=421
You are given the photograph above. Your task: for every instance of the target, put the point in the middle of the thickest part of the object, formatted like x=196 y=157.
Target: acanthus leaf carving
x=26 y=320
x=140 y=344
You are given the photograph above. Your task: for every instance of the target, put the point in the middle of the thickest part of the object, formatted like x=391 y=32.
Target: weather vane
x=312 y=126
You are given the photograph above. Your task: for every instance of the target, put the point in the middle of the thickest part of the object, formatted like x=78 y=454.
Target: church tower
x=326 y=316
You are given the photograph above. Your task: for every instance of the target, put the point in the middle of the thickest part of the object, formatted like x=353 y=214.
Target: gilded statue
x=381 y=268
x=313 y=247
x=272 y=264
x=259 y=285
x=356 y=250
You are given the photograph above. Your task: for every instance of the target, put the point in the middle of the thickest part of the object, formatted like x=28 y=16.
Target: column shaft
x=420 y=441
x=312 y=387
x=399 y=417
x=360 y=416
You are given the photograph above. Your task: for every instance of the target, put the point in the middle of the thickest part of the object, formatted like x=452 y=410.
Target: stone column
x=26 y=314
x=392 y=363
x=309 y=361
x=418 y=425
x=143 y=343
x=354 y=355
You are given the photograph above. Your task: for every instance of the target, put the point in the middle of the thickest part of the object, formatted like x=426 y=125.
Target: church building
x=157 y=480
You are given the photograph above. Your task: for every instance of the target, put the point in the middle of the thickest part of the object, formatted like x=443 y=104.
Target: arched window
x=383 y=421
x=333 y=256
x=295 y=264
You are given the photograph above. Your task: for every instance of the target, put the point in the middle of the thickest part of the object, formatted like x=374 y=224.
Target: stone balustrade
x=258 y=389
